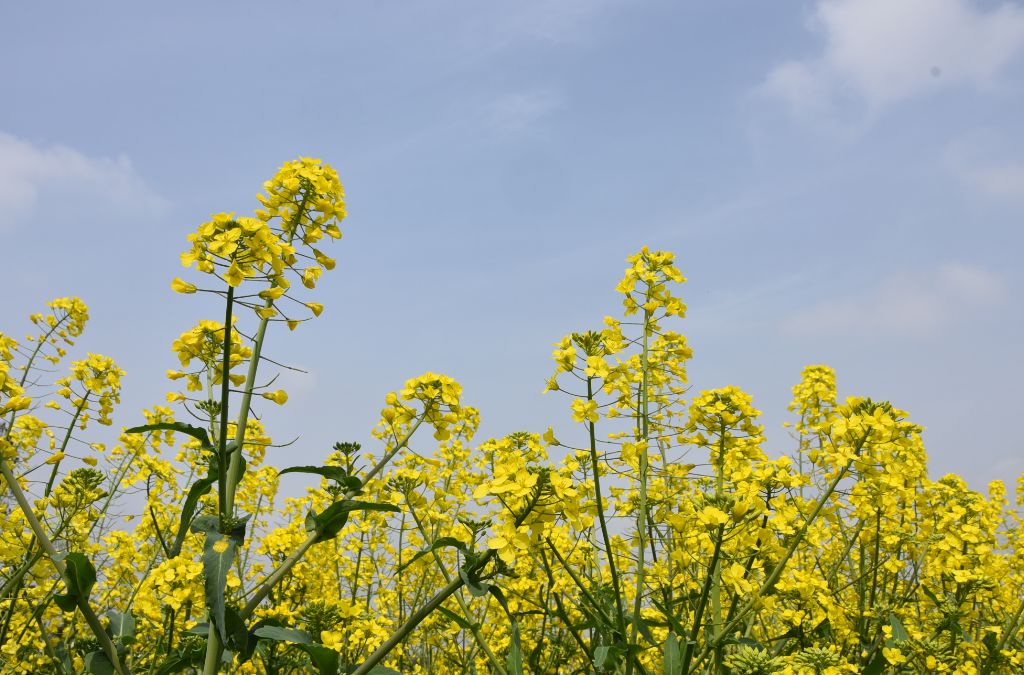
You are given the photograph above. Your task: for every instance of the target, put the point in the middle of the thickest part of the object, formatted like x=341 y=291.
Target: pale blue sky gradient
x=842 y=181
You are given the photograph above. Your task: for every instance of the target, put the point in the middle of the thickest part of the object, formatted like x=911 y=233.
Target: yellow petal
x=182 y=286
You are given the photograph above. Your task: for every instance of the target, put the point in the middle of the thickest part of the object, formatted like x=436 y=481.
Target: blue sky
x=842 y=181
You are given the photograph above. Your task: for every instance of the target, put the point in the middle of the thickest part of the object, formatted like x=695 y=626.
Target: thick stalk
x=225 y=499
x=235 y=464
x=716 y=569
x=44 y=541
x=226 y=503
x=641 y=518
x=234 y=474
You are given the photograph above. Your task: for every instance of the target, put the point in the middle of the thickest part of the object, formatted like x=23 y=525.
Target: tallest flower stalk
x=303 y=203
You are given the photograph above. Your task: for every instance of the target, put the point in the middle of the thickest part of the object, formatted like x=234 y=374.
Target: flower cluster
x=241 y=248
x=204 y=343
x=438 y=397
x=653 y=271
x=660 y=536
x=304 y=202
x=96 y=380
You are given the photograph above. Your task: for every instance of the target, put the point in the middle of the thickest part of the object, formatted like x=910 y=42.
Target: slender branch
x=620 y=618
x=44 y=541
x=286 y=565
x=698 y=614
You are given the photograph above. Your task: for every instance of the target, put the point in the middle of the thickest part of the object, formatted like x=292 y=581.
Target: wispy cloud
x=516 y=112
x=906 y=304
x=989 y=166
x=879 y=52
x=26 y=170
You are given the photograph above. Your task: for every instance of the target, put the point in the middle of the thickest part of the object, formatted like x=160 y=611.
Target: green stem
x=275 y=577
x=705 y=591
x=28 y=368
x=1009 y=628
x=227 y=481
x=235 y=463
x=64 y=443
x=641 y=519
x=716 y=569
x=474 y=625
x=234 y=474
x=598 y=609
x=598 y=498
x=776 y=573
x=226 y=502
x=423 y=612
x=44 y=541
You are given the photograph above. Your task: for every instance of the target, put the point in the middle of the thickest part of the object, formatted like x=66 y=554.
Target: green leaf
x=181 y=660
x=97 y=663
x=601 y=655
x=279 y=634
x=218 y=554
x=329 y=522
x=898 y=631
x=325 y=660
x=443 y=542
x=174 y=664
x=515 y=652
x=80 y=576
x=238 y=635
x=477 y=589
x=335 y=473
x=673 y=664
x=500 y=597
x=198 y=490
x=607 y=656
x=195 y=432
x=990 y=641
x=642 y=627
x=122 y=626
x=252 y=640
x=383 y=670
x=876 y=666
x=455 y=618
x=689 y=647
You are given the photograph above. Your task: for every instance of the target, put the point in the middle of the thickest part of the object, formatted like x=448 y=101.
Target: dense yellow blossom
x=658 y=529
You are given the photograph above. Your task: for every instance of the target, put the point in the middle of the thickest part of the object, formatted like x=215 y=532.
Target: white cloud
x=27 y=170
x=1000 y=180
x=878 y=52
x=906 y=304
x=516 y=112
x=988 y=165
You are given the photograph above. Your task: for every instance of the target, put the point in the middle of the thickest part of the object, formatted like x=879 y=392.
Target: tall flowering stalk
x=659 y=534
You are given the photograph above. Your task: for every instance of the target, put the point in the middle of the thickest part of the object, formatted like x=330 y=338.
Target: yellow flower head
x=93 y=380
